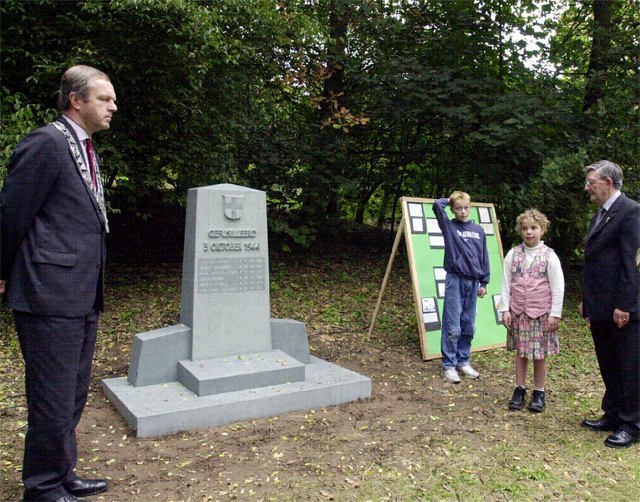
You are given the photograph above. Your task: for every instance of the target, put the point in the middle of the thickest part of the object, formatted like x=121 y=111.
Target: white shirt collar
x=80 y=132
x=607 y=205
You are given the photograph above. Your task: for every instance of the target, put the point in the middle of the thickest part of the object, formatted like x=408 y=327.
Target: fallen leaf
x=353 y=483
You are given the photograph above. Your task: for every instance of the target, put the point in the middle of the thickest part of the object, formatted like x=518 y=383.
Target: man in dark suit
x=54 y=224
x=611 y=302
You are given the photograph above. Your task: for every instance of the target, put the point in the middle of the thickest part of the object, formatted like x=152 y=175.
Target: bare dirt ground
x=416 y=439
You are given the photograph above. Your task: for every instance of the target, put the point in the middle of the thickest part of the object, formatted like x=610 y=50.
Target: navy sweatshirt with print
x=465 y=246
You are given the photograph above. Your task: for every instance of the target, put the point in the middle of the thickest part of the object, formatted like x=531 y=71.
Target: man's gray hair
x=606 y=169
x=78 y=80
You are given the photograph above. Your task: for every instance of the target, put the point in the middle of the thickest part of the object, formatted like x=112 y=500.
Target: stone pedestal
x=227 y=360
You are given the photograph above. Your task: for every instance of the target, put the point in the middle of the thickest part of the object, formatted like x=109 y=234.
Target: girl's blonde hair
x=533 y=215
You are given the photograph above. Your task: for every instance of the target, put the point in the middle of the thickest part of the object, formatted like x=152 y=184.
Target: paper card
x=417 y=225
x=484 y=213
x=496 y=308
x=488 y=228
x=433 y=227
x=429 y=305
x=415 y=210
x=430 y=318
x=436 y=241
x=439 y=273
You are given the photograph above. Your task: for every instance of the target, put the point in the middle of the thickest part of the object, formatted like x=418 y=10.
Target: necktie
x=599 y=216
x=92 y=162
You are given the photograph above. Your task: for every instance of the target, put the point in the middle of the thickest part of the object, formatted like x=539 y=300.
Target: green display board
x=425 y=249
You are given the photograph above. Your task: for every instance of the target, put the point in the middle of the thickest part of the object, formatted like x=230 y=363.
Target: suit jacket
x=53 y=232
x=611 y=277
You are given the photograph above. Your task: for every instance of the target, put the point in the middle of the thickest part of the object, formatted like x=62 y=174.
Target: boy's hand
x=552 y=324
x=482 y=291
x=2 y=287
x=506 y=319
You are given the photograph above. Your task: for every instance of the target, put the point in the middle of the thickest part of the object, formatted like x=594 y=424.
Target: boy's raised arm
x=439 y=208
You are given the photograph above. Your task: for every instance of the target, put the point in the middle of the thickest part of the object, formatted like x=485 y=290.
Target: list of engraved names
x=231 y=275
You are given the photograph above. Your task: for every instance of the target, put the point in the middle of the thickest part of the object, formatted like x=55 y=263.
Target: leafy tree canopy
x=337 y=108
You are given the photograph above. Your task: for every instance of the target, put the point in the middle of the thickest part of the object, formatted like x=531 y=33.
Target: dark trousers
x=58 y=353
x=618 y=353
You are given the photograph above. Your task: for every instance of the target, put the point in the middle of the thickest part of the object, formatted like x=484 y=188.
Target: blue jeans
x=458 y=320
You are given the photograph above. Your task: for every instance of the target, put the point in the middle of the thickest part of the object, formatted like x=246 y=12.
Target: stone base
x=159 y=409
x=235 y=373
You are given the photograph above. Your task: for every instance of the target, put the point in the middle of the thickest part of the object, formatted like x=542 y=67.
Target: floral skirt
x=528 y=337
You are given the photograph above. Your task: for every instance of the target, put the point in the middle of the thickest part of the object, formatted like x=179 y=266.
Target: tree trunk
x=594 y=89
x=382 y=214
x=333 y=95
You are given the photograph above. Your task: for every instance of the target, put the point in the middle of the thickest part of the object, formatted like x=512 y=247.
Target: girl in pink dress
x=531 y=306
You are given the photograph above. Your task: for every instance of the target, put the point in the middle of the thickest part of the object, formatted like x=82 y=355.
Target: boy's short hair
x=458 y=195
x=533 y=215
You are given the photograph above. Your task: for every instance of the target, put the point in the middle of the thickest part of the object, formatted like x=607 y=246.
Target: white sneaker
x=450 y=375
x=468 y=371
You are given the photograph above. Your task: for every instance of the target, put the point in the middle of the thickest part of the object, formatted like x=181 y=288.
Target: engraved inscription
x=216 y=233
x=222 y=246
x=231 y=234
x=231 y=275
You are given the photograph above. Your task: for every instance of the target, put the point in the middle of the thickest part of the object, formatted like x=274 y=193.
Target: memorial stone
x=227 y=360
x=225 y=278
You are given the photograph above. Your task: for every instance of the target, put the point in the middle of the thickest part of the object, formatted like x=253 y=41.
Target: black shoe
x=86 y=487
x=537 y=403
x=517 y=401
x=622 y=439
x=602 y=424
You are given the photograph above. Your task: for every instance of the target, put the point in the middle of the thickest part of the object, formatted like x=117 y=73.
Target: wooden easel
x=430 y=328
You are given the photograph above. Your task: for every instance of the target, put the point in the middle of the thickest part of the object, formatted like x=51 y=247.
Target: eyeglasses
x=594 y=182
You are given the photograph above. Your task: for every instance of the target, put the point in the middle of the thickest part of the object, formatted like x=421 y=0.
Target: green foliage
x=336 y=109
x=302 y=235
x=611 y=127
x=190 y=80
x=554 y=192
x=17 y=118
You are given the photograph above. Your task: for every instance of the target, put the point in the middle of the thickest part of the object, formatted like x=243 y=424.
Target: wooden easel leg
x=394 y=250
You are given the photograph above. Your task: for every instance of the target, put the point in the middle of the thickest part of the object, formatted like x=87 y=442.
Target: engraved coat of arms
x=232 y=206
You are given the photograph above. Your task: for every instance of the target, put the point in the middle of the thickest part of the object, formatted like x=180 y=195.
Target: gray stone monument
x=227 y=360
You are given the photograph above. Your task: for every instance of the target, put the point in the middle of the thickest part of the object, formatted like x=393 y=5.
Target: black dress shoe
x=86 y=487
x=622 y=439
x=602 y=424
x=66 y=498
x=537 y=404
x=517 y=401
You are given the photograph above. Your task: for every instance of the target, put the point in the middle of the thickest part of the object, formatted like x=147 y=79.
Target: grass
x=415 y=440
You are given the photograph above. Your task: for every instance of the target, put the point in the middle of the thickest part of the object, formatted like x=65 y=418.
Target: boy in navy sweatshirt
x=466 y=261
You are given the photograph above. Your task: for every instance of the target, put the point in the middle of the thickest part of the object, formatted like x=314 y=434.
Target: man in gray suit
x=611 y=302
x=54 y=223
